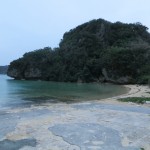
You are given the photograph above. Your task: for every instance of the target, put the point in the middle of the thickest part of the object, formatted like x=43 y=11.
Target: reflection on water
x=15 y=92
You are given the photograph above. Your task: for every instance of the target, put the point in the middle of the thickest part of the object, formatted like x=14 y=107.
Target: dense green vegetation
x=97 y=51
x=140 y=100
x=3 y=69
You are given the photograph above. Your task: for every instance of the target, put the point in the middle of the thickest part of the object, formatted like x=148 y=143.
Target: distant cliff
x=96 y=51
x=3 y=69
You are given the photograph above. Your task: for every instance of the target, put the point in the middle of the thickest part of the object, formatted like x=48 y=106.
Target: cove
x=21 y=92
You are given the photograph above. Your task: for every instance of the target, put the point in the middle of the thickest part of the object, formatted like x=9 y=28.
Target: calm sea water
x=20 y=93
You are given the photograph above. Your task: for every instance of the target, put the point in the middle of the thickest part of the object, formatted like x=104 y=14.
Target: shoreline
x=60 y=126
x=134 y=91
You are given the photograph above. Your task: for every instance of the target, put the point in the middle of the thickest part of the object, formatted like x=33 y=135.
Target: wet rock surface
x=90 y=136
x=80 y=126
x=14 y=145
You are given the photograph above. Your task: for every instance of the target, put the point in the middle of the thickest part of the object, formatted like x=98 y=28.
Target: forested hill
x=3 y=69
x=96 y=51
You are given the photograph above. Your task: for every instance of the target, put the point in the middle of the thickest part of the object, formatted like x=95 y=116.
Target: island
x=96 y=51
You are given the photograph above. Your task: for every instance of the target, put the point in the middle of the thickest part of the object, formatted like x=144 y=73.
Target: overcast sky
x=26 y=25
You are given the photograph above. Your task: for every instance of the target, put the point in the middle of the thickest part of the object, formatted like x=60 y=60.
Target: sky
x=27 y=25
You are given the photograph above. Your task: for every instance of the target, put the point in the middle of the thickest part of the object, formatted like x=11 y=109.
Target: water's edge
x=25 y=93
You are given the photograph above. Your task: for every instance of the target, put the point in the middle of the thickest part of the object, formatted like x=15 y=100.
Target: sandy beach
x=92 y=125
x=133 y=91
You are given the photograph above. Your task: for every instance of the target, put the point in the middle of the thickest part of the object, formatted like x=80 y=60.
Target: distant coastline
x=3 y=69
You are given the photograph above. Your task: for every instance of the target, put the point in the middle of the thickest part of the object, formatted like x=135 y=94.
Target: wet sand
x=134 y=91
x=94 y=125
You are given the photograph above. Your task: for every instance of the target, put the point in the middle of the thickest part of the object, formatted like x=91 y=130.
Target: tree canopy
x=96 y=51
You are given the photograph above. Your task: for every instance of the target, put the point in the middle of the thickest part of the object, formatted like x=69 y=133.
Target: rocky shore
x=94 y=125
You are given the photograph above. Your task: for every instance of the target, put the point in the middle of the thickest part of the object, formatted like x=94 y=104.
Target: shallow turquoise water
x=15 y=92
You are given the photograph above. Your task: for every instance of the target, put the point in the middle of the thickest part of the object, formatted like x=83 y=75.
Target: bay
x=15 y=93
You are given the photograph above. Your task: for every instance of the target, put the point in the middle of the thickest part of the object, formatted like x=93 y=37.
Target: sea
x=23 y=93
